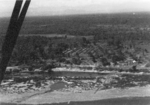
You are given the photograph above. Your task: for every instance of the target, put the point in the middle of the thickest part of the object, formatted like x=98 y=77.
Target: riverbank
x=79 y=97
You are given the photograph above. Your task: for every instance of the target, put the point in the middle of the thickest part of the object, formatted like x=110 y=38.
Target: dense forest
x=115 y=38
x=93 y=24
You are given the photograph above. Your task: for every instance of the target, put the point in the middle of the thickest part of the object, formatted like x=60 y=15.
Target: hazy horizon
x=71 y=7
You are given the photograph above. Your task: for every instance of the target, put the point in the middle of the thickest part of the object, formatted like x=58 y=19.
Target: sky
x=65 y=7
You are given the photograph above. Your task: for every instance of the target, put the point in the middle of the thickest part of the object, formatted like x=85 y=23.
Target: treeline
x=38 y=49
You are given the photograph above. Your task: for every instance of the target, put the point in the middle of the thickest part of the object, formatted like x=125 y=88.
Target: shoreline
x=69 y=97
x=111 y=101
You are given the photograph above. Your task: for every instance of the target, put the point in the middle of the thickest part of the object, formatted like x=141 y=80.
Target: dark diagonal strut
x=12 y=34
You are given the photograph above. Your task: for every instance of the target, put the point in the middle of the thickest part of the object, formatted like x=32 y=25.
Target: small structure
x=13 y=69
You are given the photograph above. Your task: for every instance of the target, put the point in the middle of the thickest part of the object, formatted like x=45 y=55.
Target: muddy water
x=78 y=74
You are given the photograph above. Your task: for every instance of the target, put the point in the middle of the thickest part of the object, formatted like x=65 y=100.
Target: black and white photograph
x=74 y=52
